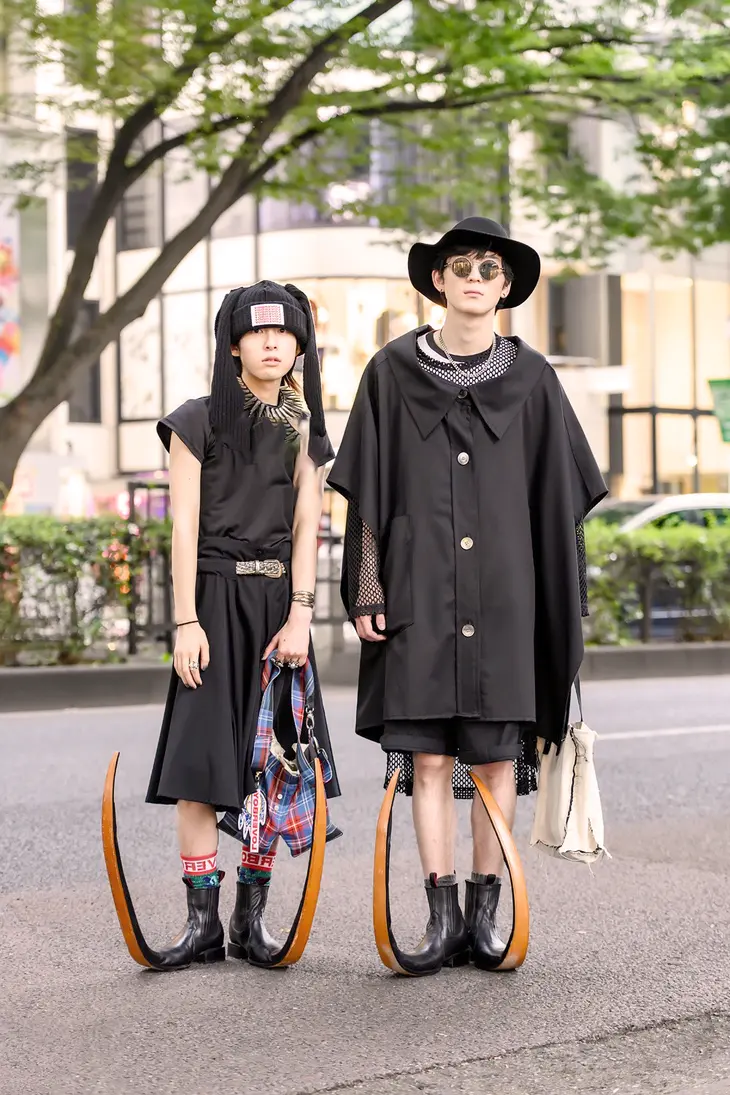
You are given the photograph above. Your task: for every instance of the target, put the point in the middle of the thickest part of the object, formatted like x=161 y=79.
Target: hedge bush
x=66 y=586
x=685 y=568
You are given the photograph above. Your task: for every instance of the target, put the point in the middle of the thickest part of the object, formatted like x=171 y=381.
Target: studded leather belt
x=233 y=568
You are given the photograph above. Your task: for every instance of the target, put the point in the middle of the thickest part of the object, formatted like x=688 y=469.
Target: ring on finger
x=193 y=665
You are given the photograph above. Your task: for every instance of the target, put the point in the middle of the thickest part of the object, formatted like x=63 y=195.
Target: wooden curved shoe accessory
x=298 y=938
x=390 y=953
x=137 y=946
x=133 y=937
x=516 y=949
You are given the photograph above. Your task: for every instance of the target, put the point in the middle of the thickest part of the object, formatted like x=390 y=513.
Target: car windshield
x=617 y=512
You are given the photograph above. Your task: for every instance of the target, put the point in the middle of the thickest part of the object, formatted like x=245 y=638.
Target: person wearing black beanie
x=246 y=483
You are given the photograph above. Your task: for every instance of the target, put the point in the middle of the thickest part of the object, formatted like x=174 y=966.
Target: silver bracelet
x=303 y=597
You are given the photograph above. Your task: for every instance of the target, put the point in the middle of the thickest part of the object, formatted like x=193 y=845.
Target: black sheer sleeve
x=365 y=592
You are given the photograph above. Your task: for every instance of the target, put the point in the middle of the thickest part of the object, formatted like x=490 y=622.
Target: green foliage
x=65 y=585
x=294 y=98
x=684 y=567
x=285 y=85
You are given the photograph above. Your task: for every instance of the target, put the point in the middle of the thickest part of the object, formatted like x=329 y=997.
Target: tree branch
x=317 y=60
x=180 y=140
x=119 y=177
x=133 y=304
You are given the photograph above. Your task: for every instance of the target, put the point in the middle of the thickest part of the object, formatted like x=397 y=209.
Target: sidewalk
x=145 y=679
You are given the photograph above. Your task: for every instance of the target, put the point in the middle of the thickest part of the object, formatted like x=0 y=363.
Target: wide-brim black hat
x=484 y=235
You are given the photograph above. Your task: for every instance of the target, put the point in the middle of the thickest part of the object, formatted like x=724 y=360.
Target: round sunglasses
x=488 y=269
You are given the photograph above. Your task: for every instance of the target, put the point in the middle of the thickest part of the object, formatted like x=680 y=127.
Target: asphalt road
x=626 y=987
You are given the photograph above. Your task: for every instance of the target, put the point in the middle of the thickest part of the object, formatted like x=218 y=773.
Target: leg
x=197 y=830
x=201 y=940
x=249 y=939
x=500 y=779
x=445 y=942
x=431 y=743
x=434 y=814
x=490 y=748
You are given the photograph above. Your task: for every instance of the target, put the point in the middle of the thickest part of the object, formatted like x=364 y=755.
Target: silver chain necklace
x=464 y=368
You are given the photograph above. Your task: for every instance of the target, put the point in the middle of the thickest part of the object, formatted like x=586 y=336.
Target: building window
x=140 y=367
x=186 y=187
x=239 y=220
x=557 y=340
x=3 y=67
x=374 y=162
x=354 y=317
x=84 y=404
x=139 y=218
x=674 y=341
x=82 y=168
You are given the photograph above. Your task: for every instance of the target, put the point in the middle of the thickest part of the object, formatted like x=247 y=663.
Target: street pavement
x=626 y=987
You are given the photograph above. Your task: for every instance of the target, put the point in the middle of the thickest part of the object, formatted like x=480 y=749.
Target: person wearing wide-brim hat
x=247 y=468
x=467 y=476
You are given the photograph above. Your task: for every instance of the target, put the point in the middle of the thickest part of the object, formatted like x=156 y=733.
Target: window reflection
x=354 y=318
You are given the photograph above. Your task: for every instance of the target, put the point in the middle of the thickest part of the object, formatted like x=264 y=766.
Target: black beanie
x=265 y=304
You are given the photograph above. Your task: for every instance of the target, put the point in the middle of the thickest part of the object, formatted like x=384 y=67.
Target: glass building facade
x=635 y=348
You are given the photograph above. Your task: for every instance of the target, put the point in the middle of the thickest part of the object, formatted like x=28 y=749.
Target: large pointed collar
x=429 y=399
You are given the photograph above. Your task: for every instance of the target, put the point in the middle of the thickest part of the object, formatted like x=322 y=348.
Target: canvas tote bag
x=568 y=816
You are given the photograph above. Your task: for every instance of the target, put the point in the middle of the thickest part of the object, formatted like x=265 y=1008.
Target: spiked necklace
x=288 y=412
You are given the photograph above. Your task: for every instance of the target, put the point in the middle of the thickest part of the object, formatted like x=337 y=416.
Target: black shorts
x=471 y=740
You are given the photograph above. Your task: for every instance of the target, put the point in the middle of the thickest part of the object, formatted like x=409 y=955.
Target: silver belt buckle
x=270 y=568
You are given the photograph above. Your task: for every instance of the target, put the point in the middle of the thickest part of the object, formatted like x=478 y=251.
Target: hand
x=191 y=645
x=292 y=642
x=366 y=631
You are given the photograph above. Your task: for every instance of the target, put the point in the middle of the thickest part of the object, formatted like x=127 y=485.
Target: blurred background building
x=635 y=345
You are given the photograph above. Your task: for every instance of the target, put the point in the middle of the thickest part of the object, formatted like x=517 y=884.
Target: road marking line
x=670 y=732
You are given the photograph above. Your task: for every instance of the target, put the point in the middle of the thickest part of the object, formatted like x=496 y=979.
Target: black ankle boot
x=248 y=938
x=482 y=899
x=202 y=938
x=446 y=941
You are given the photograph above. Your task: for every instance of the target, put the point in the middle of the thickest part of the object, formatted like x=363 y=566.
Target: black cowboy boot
x=446 y=940
x=202 y=938
x=248 y=938
x=482 y=899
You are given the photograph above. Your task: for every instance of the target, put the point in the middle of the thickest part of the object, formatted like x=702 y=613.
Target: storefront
x=676 y=338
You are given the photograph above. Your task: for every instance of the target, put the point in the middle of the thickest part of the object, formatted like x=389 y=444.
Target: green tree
x=284 y=98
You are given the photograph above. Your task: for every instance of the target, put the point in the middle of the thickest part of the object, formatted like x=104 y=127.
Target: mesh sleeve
x=365 y=592
x=580 y=545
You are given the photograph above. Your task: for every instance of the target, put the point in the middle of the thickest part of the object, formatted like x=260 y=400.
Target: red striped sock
x=256 y=866
x=195 y=866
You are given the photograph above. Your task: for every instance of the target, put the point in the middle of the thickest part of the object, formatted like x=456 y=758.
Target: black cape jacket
x=474 y=496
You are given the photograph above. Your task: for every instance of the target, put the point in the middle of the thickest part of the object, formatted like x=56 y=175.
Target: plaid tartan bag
x=283 y=803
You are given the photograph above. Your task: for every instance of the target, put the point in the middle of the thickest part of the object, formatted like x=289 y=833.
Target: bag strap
x=302 y=708
x=580 y=697
x=302 y=700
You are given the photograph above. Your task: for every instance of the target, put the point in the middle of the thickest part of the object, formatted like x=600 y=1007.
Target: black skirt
x=207 y=735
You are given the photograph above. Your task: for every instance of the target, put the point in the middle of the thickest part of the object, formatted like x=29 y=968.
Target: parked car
x=665 y=511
